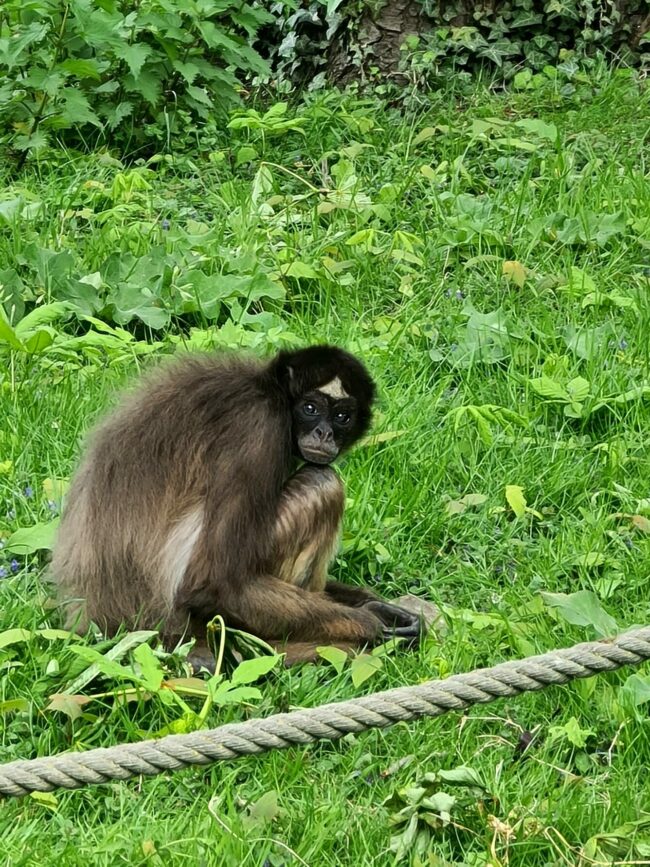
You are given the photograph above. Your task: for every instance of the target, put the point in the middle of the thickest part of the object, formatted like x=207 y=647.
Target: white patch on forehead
x=333 y=389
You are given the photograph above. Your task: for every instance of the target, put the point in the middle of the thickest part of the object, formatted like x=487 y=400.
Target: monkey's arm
x=389 y=614
x=275 y=610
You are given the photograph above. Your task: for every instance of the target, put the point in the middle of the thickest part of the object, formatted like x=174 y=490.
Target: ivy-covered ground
x=489 y=257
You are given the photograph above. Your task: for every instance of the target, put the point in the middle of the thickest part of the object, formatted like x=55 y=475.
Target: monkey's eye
x=310 y=409
x=342 y=418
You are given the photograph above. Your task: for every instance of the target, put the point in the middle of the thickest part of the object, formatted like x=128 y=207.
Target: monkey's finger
x=393 y=615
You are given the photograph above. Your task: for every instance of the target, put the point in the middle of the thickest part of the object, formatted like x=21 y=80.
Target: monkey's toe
x=201 y=658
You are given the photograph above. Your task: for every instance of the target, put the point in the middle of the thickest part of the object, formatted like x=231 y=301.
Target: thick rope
x=328 y=722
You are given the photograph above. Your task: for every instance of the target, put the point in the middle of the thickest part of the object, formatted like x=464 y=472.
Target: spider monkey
x=209 y=491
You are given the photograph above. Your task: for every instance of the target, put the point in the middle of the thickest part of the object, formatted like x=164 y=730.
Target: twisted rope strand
x=328 y=722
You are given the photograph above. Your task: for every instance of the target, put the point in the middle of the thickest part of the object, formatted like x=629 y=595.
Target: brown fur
x=185 y=507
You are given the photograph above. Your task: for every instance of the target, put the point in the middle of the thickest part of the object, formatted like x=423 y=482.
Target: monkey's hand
x=397 y=622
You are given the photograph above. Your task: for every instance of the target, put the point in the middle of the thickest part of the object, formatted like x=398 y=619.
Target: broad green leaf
x=80 y=68
x=57 y=635
x=106 y=666
x=14 y=636
x=226 y=693
x=43 y=315
x=76 y=109
x=123 y=646
x=364 y=667
x=28 y=540
x=200 y=94
x=14 y=705
x=578 y=388
x=424 y=134
x=299 y=270
x=8 y=334
x=188 y=70
x=462 y=776
x=441 y=803
x=39 y=341
x=264 y=810
x=46 y=799
x=637 y=689
x=539 y=128
x=580 y=281
x=572 y=731
x=582 y=608
x=384 y=437
x=514 y=271
x=70 y=705
x=364 y=236
x=54 y=489
x=546 y=387
x=336 y=657
x=150 y=668
x=245 y=154
x=135 y=56
x=516 y=500
x=251 y=670
x=132 y=301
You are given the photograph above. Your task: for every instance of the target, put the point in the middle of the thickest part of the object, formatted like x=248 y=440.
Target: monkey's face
x=323 y=426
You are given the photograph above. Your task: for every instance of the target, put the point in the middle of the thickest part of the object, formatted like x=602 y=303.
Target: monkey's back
x=185 y=439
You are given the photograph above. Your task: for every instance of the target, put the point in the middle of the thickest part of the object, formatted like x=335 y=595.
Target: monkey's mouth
x=319 y=456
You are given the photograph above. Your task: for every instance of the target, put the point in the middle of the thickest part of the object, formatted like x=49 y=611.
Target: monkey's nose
x=324 y=435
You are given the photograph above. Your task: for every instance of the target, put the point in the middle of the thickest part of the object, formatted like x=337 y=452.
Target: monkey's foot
x=201 y=657
x=428 y=613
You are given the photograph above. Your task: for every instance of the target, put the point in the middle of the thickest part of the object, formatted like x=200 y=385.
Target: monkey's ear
x=284 y=371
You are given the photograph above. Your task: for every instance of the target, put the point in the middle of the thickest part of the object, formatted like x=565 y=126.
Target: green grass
x=474 y=195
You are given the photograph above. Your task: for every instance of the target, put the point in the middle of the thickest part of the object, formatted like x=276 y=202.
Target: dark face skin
x=323 y=426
